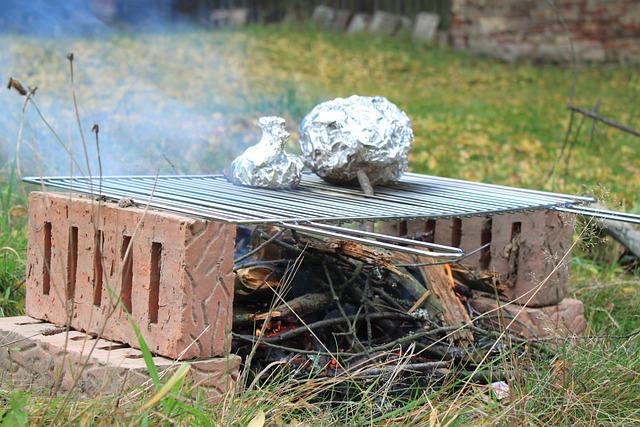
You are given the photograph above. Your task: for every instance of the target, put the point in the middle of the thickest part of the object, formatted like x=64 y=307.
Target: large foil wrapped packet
x=360 y=138
x=266 y=164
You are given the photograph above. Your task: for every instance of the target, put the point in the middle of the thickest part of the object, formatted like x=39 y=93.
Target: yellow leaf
x=258 y=420
x=17 y=211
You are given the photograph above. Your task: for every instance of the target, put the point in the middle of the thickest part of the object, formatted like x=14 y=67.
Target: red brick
x=540 y=277
x=33 y=359
x=391 y=228
x=560 y=320
x=545 y=237
x=443 y=232
x=195 y=284
x=471 y=230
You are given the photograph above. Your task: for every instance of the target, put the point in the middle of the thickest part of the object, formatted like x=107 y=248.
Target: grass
x=13 y=243
x=473 y=118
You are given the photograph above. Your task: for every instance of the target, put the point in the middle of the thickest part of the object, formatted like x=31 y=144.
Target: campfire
x=336 y=304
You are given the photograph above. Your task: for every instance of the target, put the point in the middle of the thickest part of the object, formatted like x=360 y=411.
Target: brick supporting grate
x=173 y=274
x=526 y=249
x=91 y=265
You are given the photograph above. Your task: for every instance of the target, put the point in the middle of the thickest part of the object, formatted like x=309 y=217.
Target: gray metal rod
x=612 y=215
x=396 y=239
x=500 y=187
x=368 y=242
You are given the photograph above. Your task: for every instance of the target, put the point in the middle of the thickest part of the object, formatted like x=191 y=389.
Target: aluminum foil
x=340 y=137
x=266 y=164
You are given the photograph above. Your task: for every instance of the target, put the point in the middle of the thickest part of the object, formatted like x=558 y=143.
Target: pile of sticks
x=328 y=306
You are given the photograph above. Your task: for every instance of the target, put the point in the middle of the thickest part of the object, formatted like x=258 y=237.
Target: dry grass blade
x=167 y=387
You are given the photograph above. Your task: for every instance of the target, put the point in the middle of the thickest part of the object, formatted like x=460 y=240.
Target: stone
x=342 y=18
x=323 y=16
x=384 y=23
x=219 y=18
x=631 y=15
x=625 y=50
x=425 y=26
x=552 y=52
x=359 y=23
x=236 y=17
x=176 y=282
x=493 y=24
x=590 y=51
x=459 y=43
x=443 y=39
x=406 y=24
x=38 y=354
x=483 y=46
x=560 y=320
x=511 y=52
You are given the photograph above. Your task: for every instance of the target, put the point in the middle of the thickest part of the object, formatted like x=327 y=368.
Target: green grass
x=473 y=118
x=13 y=244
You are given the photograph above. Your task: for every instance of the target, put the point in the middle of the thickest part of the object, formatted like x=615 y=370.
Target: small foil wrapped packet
x=266 y=164
x=360 y=138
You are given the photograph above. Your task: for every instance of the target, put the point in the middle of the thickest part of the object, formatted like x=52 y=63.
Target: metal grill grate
x=415 y=196
x=309 y=208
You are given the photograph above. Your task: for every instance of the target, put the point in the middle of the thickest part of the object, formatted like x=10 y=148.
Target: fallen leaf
x=258 y=420
x=18 y=211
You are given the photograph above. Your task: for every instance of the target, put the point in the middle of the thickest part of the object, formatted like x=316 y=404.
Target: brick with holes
x=36 y=354
x=529 y=250
x=90 y=263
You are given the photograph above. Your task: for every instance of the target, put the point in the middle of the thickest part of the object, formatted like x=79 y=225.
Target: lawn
x=189 y=101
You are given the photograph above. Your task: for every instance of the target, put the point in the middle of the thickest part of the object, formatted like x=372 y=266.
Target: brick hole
x=72 y=262
x=114 y=347
x=82 y=338
x=430 y=230
x=516 y=230
x=456 y=232
x=46 y=268
x=154 y=281
x=127 y=272
x=97 y=268
x=402 y=228
x=35 y=322
x=485 y=239
x=133 y=356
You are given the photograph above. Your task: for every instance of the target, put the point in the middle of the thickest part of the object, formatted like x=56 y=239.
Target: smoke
x=46 y=18
x=159 y=87
x=50 y=19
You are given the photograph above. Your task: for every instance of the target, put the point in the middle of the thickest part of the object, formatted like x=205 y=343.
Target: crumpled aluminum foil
x=266 y=164
x=340 y=137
